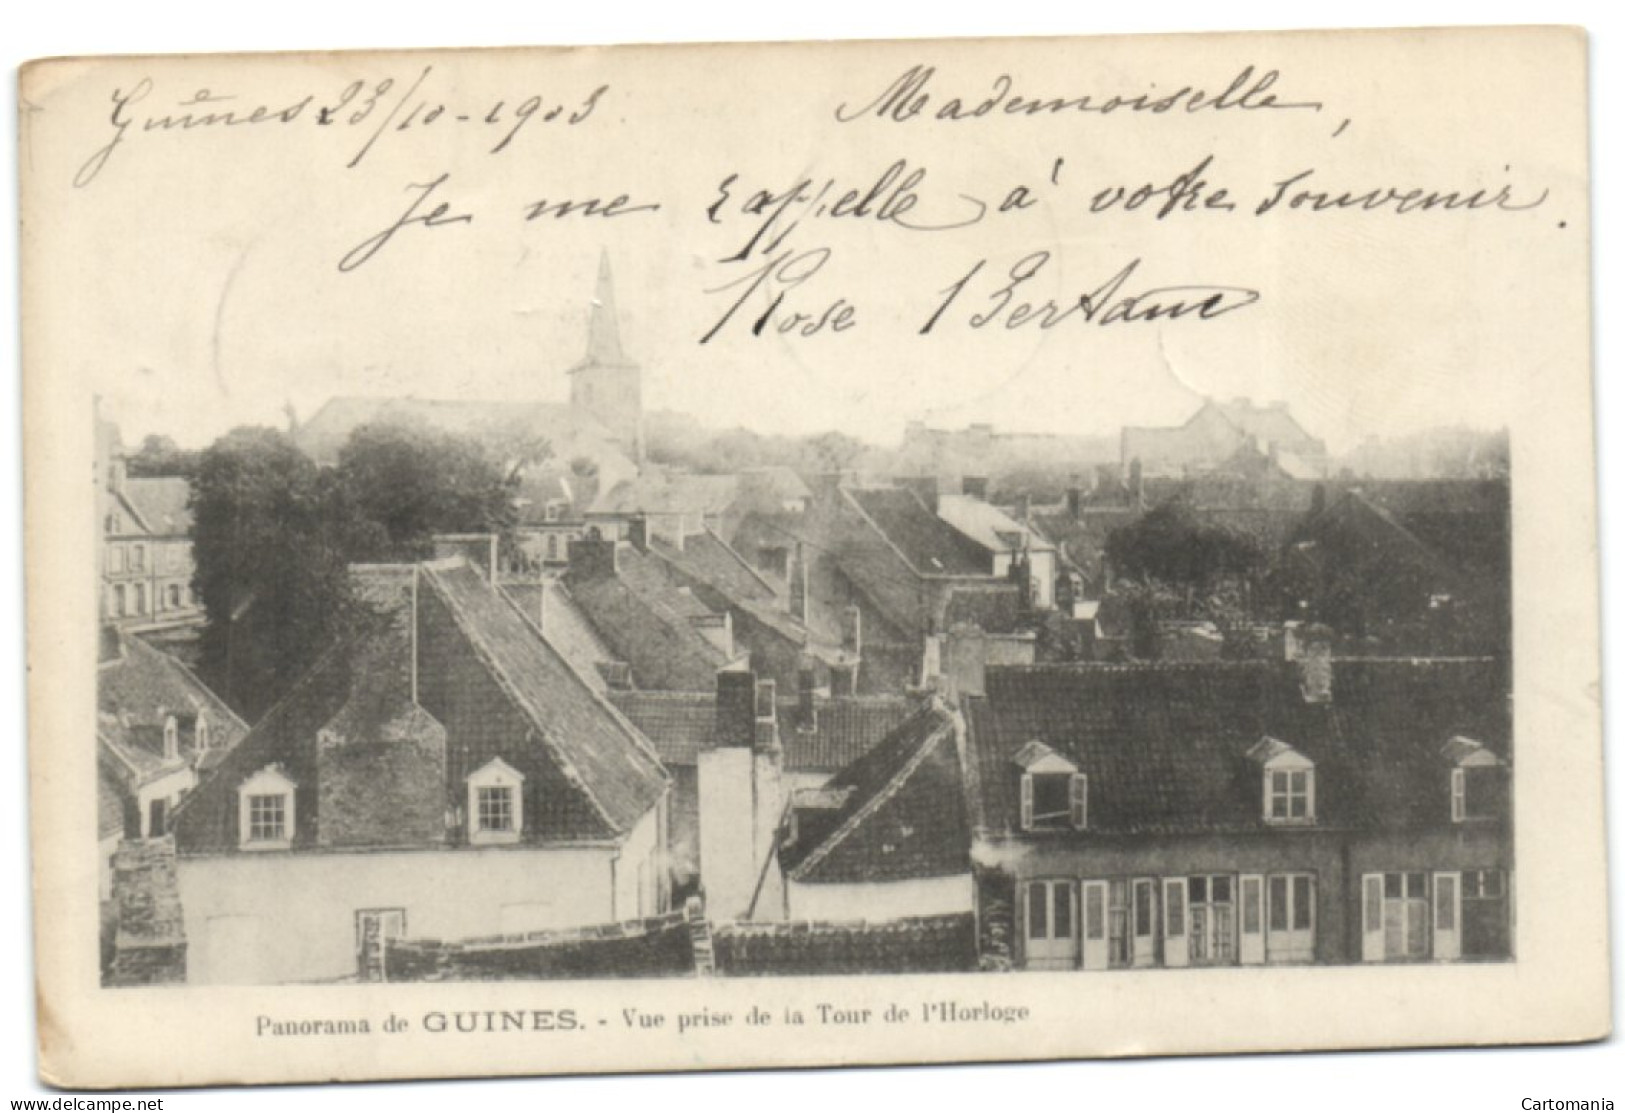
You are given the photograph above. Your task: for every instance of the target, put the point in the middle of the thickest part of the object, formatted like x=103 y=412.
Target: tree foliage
x=410 y=482
x=274 y=535
x=1172 y=546
x=270 y=566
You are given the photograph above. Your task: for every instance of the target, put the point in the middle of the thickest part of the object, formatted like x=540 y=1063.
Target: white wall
x=889 y=900
x=637 y=889
x=281 y=917
x=727 y=830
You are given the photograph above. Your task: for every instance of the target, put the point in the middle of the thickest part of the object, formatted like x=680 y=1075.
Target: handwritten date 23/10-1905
x=978 y=299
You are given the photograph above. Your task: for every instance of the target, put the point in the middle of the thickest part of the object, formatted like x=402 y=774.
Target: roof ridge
x=879 y=799
x=470 y=629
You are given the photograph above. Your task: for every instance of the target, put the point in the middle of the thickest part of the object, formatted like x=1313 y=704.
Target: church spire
x=603 y=329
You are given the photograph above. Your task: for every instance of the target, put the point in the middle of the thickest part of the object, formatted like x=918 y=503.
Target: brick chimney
x=637 y=532
x=1309 y=647
x=736 y=708
x=592 y=556
x=741 y=793
x=965 y=662
x=806 y=701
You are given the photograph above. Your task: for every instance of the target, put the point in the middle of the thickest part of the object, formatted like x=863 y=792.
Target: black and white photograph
x=811 y=554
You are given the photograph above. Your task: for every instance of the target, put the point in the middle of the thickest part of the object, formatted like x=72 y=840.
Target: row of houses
x=446 y=774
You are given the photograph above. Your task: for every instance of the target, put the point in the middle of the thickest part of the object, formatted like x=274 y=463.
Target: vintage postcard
x=651 y=558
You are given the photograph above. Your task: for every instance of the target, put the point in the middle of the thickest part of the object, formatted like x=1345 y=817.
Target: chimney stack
x=637 y=532
x=974 y=486
x=965 y=663
x=806 y=701
x=765 y=733
x=592 y=556
x=1309 y=647
x=736 y=709
x=480 y=550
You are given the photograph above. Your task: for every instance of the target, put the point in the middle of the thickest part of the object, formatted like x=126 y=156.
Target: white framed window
x=1289 y=783
x=1290 y=795
x=172 y=739
x=138 y=558
x=496 y=804
x=1477 y=792
x=265 y=808
x=1054 y=795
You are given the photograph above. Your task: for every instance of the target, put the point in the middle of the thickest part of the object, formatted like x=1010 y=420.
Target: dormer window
x=1477 y=781
x=1289 y=783
x=265 y=808
x=1054 y=795
x=495 y=804
x=172 y=739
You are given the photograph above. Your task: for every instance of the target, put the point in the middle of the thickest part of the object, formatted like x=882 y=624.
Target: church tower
x=606 y=384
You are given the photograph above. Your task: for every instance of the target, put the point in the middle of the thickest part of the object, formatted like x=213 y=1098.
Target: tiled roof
x=1165 y=747
x=848 y=728
x=931 y=546
x=916 y=944
x=903 y=818
x=682 y=724
x=161 y=503
x=611 y=762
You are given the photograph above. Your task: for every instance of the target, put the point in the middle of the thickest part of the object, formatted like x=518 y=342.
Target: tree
x=161 y=456
x=270 y=565
x=1171 y=546
x=412 y=482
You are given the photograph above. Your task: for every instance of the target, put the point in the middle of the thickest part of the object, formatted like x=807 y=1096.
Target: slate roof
x=358 y=696
x=705 y=556
x=161 y=503
x=650 y=629
x=930 y=546
x=564 y=626
x=1166 y=747
x=109 y=804
x=1270 y=424
x=989 y=526
x=681 y=725
x=902 y=818
x=611 y=762
x=657 y=492
x=137 y=688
